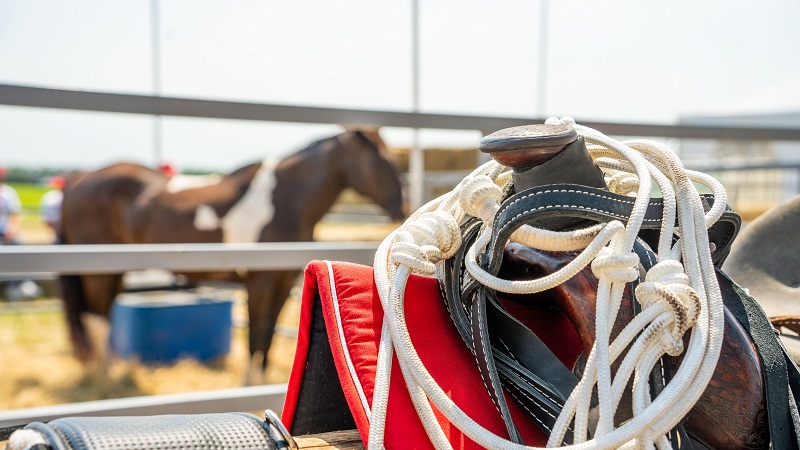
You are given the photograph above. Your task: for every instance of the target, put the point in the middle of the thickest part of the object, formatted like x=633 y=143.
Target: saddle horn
x=543 y=154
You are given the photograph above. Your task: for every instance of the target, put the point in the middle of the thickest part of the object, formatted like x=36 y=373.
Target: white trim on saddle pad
x=345 y=351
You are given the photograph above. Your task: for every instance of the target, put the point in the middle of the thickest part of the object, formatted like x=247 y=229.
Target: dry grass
x=37 y=368
x=353 y=231
x=35 y=232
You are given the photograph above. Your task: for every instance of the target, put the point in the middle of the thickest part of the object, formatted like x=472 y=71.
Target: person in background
x=10 y=208
x=50 y=205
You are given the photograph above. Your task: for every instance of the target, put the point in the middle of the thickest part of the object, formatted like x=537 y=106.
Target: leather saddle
x=751 y=400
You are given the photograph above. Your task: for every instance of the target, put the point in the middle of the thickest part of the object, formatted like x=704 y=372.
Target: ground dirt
x=37 y=367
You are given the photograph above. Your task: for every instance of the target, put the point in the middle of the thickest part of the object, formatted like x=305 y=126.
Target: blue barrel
x=165 y=326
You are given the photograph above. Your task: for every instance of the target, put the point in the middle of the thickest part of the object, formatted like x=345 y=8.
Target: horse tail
x=74 y=298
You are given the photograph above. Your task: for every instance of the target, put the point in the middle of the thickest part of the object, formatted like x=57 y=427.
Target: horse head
x=369 y=170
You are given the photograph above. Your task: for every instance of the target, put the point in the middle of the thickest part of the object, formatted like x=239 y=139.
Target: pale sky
x=614 y=61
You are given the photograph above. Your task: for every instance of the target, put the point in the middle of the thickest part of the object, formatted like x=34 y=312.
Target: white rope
x=679 y=294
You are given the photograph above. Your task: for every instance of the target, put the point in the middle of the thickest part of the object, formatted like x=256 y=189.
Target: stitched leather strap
x=533 y=205
x=468 y=307
x=486 y=364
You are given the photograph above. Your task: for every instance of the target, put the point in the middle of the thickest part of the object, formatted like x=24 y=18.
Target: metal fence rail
x=83 y=259
x=15 y=95
x=251 y=398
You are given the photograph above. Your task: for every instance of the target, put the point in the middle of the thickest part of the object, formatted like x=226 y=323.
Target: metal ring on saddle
x=271 y=420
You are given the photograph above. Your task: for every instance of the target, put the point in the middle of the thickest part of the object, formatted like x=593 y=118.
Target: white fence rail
x=84 y=259
x=251 y=398
x=15 y=95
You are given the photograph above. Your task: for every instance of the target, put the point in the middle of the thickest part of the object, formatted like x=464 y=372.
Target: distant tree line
x=29 y=175
x=41 y=175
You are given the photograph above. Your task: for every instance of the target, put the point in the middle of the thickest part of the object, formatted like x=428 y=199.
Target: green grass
x=30 y=194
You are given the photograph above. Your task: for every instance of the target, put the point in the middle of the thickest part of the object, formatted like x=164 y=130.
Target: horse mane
x=243 y=169
x=316 y=144
x=355 y=132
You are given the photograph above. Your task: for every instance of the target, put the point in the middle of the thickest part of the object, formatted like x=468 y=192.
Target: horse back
x=97 y=205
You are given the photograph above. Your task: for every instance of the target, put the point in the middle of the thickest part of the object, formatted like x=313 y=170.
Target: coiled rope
x=680 y=293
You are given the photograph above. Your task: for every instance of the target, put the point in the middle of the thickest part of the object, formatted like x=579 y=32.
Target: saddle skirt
x=339 y=336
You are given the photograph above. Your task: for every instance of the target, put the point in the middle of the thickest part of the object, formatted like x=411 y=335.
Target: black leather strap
x=584 y=202
x=486 y=363
x=781 y=376
x=468 y=304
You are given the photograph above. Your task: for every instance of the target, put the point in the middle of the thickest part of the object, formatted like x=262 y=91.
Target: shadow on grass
x=97 y=386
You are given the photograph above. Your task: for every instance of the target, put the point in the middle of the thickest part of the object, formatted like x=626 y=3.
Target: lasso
x=680 y=293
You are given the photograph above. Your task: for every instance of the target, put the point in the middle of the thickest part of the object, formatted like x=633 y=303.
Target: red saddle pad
x=353 y=317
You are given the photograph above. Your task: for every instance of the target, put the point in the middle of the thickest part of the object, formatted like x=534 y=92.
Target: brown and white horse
x=131 y=204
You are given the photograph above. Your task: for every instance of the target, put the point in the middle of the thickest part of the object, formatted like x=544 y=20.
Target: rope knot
x=624 y=183
x=670 y=344
x=480 y=197
x=619 y=268
x=669 y=271
x=666 y=282
x=433 y=236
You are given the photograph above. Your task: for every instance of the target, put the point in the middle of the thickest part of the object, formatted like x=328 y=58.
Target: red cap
x=57 y=182
x=167 y=169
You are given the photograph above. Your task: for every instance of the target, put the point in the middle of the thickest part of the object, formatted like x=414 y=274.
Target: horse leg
x=74 y=300
x=267 y=293
x=100 y=291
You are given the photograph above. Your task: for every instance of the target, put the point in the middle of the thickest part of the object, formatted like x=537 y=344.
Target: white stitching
x=619 y=216
x=531 y=413
x=443 y=295
x=519 y=402
x=483 y=379
x=539 y=390
x=574 y=191
x=509 y=350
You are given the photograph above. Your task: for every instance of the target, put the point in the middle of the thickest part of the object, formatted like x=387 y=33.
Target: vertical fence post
x=416 y=157
x=155 y=54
